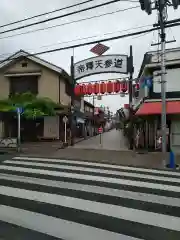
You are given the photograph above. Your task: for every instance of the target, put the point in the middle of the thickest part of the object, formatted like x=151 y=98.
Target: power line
x=105 y=34
x=94 y=42
x=85 y=38
x=75 y=21
x=142 y=35
x=61 y=16
x=46 y=13
x=53 y=11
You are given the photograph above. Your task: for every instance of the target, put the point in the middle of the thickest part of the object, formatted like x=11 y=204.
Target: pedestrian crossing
x=46 y=198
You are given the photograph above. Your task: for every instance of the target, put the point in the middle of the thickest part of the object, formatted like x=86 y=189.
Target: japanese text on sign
x=101 y=64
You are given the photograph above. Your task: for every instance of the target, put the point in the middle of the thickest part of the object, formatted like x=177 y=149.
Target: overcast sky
x=12 y=10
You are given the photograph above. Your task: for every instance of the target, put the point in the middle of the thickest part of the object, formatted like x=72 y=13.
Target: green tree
x=32 y=105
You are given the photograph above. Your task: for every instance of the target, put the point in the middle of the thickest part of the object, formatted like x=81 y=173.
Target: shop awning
x=155 y=108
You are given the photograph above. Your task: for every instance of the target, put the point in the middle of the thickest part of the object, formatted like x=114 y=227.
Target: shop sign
x=101 y=64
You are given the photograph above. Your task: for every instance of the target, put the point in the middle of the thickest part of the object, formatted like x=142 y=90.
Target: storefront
x=150 y=125
x=80 y=128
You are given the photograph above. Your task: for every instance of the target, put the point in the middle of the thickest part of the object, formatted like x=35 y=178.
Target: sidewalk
x=41 y=147
x=130 y=158
x=125 y=157
x=113 y=150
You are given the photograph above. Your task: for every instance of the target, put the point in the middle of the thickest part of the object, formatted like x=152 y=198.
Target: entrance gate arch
x=115 y=63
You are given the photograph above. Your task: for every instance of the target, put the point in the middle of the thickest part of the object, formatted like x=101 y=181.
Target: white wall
x=64 y=98
x=82 y=105
x=171 y=54
x=51 y=127
x=172 y=81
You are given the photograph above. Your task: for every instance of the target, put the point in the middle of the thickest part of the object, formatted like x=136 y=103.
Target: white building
x=148 y=104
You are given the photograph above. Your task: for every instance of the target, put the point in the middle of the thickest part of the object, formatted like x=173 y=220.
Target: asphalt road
x=112 y=140
x=43 y=198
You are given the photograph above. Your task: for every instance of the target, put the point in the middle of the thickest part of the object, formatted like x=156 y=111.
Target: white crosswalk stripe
x=65 y=199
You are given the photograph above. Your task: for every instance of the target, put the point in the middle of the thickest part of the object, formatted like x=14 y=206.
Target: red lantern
x=109 y=87
x=137 y=87
x=77 y=90
x=89 y=88
x=117 y=86
x=124 y=86
x=83 y=89
x=102 y=88
x=96 y=88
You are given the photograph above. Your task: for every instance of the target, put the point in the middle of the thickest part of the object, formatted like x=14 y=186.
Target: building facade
x=147 y=102
x=23 y=72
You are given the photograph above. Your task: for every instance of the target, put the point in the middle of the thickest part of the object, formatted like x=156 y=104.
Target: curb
x=104 y=162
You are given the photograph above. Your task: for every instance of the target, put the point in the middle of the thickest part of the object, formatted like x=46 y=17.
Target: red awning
x=155 y=108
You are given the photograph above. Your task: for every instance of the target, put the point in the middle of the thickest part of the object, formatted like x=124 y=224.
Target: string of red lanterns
x=101 y=88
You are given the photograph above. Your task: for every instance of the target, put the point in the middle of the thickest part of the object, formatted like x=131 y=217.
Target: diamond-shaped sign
x=99 y=49
x=65 y=119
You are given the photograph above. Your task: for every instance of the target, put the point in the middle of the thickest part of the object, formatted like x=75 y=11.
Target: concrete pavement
x=112 y=140
x=112 y=150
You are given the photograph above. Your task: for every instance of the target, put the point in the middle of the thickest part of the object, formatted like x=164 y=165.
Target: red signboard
x=99 y=49
x=100 y=130
x=108 y=87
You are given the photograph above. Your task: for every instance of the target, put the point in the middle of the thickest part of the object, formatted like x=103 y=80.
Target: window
x=24 y=64
x=24 y=84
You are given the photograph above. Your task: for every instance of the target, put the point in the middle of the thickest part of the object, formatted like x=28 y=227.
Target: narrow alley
x=111 y=140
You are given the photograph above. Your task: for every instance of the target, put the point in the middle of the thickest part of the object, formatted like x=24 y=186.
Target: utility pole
x=72 y=101
x=162 y=18
x=131 y=141
x=161 y=6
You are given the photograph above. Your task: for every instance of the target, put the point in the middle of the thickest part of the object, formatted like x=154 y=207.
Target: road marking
x=130 y=214
x=152 y=198
x=100 y=165
x=56 y=227
x=93 y=178
x=86 y=169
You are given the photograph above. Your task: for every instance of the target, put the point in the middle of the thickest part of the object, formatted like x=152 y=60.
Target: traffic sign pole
x=100 y=130
x=65 y=120
x=100 y=139
x=65 y=134
x=19 y=130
